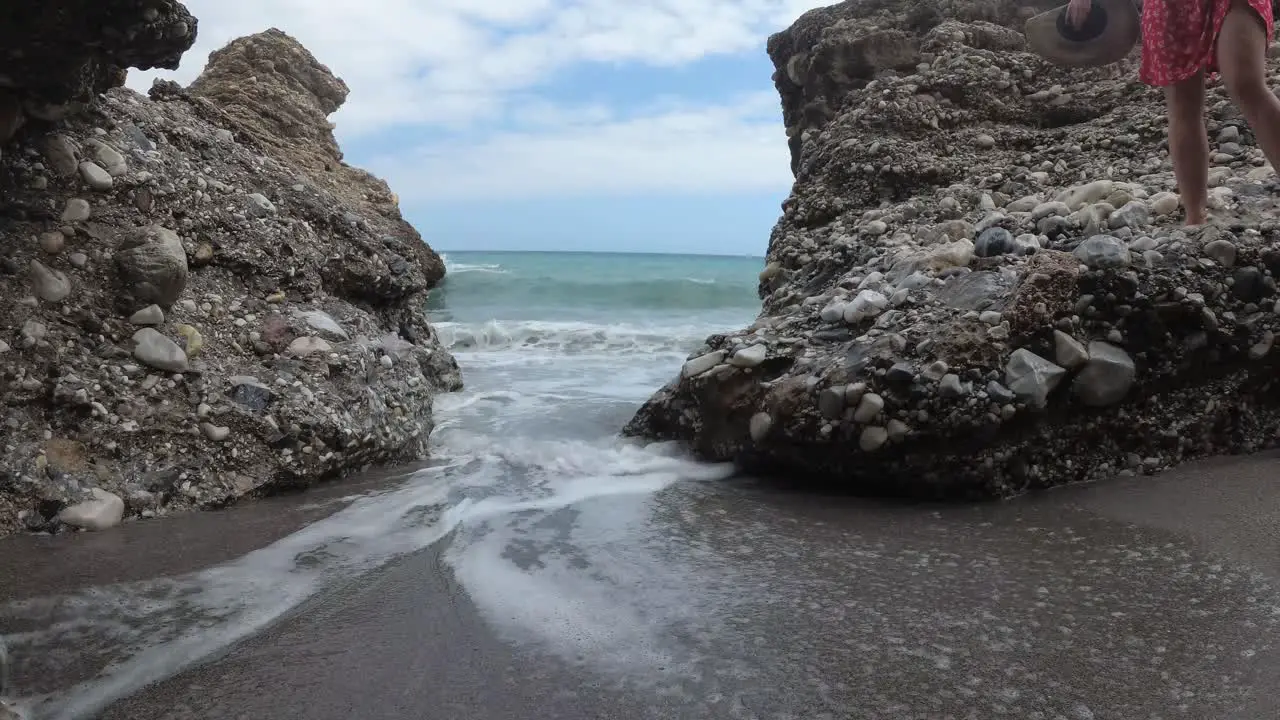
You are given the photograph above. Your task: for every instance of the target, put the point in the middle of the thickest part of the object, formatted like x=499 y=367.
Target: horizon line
x=605 y=252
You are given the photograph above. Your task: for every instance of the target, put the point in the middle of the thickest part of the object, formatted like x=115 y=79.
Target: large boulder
x=277 y=93
x=980 y=283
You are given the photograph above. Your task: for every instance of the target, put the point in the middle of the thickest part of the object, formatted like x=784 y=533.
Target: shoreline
x=424 y=644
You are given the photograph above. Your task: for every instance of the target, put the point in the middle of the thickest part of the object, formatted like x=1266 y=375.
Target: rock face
x=285 y=108
x=980 y=283
x=148 y=308
x=57 y=58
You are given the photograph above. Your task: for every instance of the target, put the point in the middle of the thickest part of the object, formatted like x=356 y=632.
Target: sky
x=581 y=125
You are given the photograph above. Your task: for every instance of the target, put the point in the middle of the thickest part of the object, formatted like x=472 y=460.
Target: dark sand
x=1134 y=598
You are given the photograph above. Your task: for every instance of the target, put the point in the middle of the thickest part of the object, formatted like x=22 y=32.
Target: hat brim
x=1113 y=43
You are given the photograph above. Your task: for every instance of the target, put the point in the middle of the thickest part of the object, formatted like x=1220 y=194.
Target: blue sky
x=627 y=125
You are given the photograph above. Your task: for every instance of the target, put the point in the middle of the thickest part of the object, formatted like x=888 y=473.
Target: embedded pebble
x=95 y=177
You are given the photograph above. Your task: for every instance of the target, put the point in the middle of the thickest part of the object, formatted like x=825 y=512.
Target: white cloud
x=454 y=65
x=694 y=150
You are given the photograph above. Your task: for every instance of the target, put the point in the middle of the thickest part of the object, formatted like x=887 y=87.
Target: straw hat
x=1107 y=36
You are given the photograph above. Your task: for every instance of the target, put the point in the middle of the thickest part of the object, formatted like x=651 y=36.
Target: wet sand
x=1133 y=598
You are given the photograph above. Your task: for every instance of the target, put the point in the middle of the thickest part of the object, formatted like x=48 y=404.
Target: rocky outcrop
x=57 y=57
x=980 y=283
x=191 y=311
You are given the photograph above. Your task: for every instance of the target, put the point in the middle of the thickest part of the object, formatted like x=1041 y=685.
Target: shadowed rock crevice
x=980 y=280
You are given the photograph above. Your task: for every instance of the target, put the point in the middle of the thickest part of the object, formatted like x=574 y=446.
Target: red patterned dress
x=1180 y=37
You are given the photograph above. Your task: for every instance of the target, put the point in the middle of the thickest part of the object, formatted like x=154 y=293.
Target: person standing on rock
x=1183 y=41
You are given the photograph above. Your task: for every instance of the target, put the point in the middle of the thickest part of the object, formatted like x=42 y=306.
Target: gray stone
x=868 y=408
x=750 y=356
x=1134 y=214
x=760 y=425
x=1107 y=377
x=324 y=324
x=1165 y=203
x=994 y=241
x=833 y=312
x=1069 y=352
x=307 y=345
x=831 y=402
x=1050 y=209
x=52 y=242
x=1102 y=252
x=260 y=206
x=49 y=285
x=999 y=393
x=215 y=433
x=1031 y=377
x=702 y=363
x=102 y=511
x=78 y=259
x=76 y=210
x=1222 y=251
x=151 y=267
x=248 y=391
x=61 y=155
x=873 y=438
x=157 y=351
x=867 y=304
x=952 y=387
x=149 y=315
x=95 y=177
x=107 y=157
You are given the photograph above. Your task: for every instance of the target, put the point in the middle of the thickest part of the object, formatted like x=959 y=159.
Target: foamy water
x=534 y=432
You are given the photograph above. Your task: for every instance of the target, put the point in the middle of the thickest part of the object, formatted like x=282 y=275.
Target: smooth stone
x=107 y=157
x=952 y=387
x=750 y=356
x=52 y=242
x=1069 y=352
x=1222 y=251
x=104 y=510
x=216 y=433
x=1249 y=284
x=957 y=254
x=702 y=363
x=999 y=393
x=1026 y=204
x=157 y=351
x=192 y=339
x=1230 y=133
x=867 y=304
x=1134 y=214
x=1164 y=203
x=875 y=228
x=149 y=315
x=1107 y=377
x=49 y=285
x=61 y=155
x=152 y=265
x=760 y=425
x=833 y=312
x=95 y=177
x=1103 y=252
x=873 y=438
x=1031 y=377
x=260 y=206
x=897 y=429
x=76 y=210
x=1087 y=194
x=868 y=408
x=1050 y=209
x=831 y=402
x=306 y=345
x=985 y=141
x=994 y=241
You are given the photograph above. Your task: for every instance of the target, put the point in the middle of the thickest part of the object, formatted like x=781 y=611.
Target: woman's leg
x=1242 y=59
x=1189 y=145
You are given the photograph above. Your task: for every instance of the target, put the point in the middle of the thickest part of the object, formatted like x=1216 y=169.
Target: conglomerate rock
x=191 y=312
x=980 y=282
